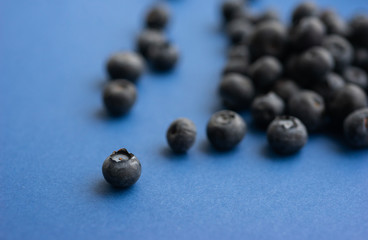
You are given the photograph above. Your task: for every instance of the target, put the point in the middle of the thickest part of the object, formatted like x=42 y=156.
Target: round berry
x=119 y=97
x=225 y=130
x=309 y=32
x=359 y=31
x=303 y=10
x=121 y=169
x=125 y=65
x=313 y=65
x=236 y=91
x=265 y=108
x=285 y=88
x=239 y=32
x=287 y=135
x=333 y=23
x=163 y=57
x=345 y=101
x=265 y=71
x=309 y=107
x=181 y=135
x=149 y=39
x=328 y=85
x=356 y=128
x=356 y=76
x=340 y=49
x=231 y=9
x=157 y=17
x=269 y=38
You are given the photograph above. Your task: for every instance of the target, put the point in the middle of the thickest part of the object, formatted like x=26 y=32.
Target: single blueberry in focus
x=356 y=128
x=225 y=130
x=181 y=135
x=119 y=97
x=125 y=65
x=287 y=135
x=121 y=169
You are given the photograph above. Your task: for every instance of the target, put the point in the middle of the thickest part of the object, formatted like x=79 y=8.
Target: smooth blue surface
x=54 y=138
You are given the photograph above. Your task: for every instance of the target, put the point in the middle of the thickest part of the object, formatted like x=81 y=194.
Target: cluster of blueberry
x=121 y=168
x=295 y=79
x=125 y=68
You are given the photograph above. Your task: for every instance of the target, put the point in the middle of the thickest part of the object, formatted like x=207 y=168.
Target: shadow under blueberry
x=103 y=115
x=268 y=153
x=340 y=144
x=206 y=147
x=167 y=153
x=104 y=189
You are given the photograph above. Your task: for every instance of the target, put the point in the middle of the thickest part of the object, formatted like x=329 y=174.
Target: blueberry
x=236 y=65
x=287 y=135
x=269 y=38
x=340 y=49
x=121 y=169
x=303 y=10
x=119 y=97
x=236 y=91
x=238 y=52
x=356 y=128
x=356 y=76
x=328 y=85
x=309 y=107
x=285 y=88
x=313 y=65
x=345 y=101
x=163 y=57
x=265 y=71
x=333 y=23
x=231 y=9
x=149 y=39
x=268 y=15
x=265 y=108
x=239 y=32
x=181 y=135
x=157 y=17
x=359 y=31
x=225 y=130
x=309 y=32
x=361 y=58
x=125 y=65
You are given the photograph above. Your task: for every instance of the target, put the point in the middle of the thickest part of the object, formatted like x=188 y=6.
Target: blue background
x=55 y=136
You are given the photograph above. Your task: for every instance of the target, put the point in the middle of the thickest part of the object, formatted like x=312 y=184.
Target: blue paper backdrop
x=55 y=136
